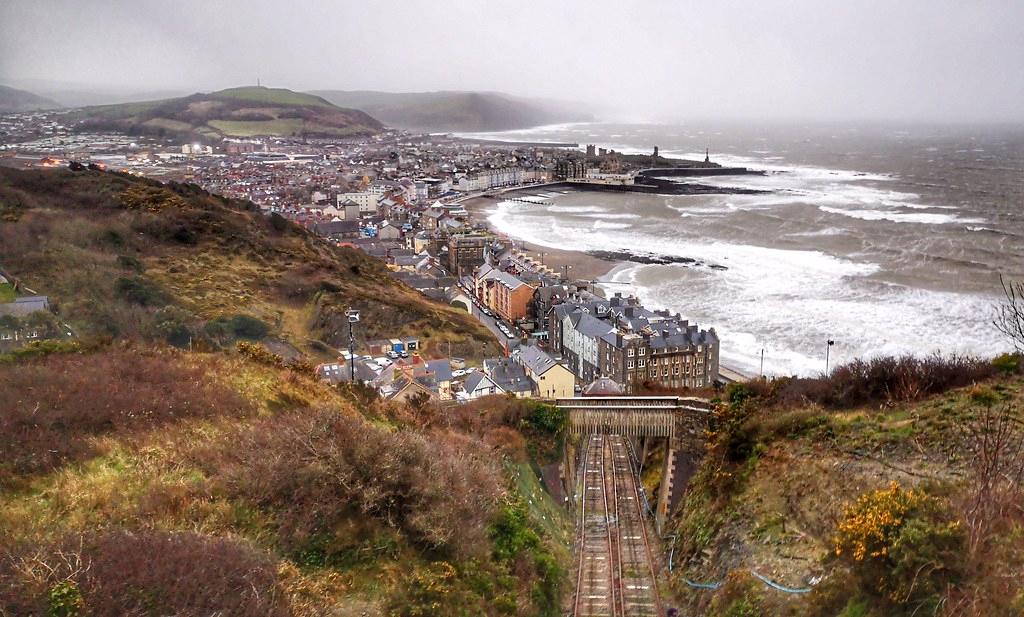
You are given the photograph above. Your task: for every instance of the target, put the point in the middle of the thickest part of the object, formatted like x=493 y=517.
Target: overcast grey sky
x=798 y=59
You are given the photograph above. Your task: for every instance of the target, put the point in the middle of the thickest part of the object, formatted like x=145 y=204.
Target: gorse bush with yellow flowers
x=872 y=524
x=902 y=544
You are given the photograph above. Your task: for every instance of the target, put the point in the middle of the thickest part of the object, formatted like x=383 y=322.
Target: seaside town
x=416 y=202
x=358 y=309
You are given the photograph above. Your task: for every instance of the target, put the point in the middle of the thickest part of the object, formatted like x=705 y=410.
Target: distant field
x=276 y=96
x=7 y=293
x=245 y=128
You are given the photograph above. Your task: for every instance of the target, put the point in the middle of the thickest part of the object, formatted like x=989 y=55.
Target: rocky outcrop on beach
x=653 y=259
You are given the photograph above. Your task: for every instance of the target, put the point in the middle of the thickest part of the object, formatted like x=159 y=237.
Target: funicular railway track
x=616 y=573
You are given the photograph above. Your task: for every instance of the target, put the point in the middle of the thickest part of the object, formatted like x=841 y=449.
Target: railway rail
x=615 y=576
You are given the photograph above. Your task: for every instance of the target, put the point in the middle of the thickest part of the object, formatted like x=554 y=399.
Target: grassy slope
x=778 y=510
x=273 y=96
x=224 y=112
x=73 y=237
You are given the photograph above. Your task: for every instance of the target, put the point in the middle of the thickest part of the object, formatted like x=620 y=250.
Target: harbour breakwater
x=660 y=186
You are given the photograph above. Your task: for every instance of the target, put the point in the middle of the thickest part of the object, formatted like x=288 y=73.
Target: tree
x=9 y=323
x=1010 y=316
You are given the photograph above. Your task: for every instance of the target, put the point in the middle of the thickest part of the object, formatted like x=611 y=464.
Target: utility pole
x=353 y=318
x=762 y=363
x=565 y=272
x=827 y=348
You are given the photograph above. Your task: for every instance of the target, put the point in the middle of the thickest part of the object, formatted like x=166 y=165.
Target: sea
x=884 y=239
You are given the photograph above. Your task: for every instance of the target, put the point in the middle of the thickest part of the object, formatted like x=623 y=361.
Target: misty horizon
x=799 y=61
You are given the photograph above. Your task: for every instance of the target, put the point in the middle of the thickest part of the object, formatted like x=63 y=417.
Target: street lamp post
x=353 y=318
x=762 y=362
x=827 y=348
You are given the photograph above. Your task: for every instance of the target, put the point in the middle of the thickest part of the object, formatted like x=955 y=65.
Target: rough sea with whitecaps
x=885 y=239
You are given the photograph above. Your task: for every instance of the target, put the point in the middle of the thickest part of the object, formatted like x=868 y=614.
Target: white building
x=367 y=202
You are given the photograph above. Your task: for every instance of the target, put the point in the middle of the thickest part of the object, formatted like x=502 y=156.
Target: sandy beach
x=581 y=266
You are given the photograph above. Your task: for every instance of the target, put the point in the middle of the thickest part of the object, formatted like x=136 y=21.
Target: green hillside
x=272 y=96
x=455 y=111
x=13 y=100
x=235 y=112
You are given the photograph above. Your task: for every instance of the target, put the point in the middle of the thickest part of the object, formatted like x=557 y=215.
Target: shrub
x=1007 y=363
x=885 y=379
x=130 y=263
x=138 y=290
x=320 y=468
x=224 y=329
x=65 y=600
x=901 y=543
x=547 y=419
x=173 y=324
x=115 y=572
x=259 y=354
x=512 y=533
x=278 y=223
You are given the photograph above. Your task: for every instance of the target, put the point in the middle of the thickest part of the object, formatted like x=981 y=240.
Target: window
x=629 y=364
x=664 y=373
x=641 y=363
x=675 y=370
x=643 y=351
x=630 y=352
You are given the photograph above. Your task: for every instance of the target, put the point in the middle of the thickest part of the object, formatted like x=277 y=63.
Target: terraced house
x=503 y=293
x=620 y=339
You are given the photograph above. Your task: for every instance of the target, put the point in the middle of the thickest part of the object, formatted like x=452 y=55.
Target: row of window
x=9 y=336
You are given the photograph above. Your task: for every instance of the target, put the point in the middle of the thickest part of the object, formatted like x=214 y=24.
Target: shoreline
x=581 y=266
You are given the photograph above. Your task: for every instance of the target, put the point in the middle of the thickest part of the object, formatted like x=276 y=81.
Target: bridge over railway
x=680 y=421
x=616 y=573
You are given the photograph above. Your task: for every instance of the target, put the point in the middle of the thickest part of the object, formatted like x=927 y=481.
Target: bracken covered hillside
x=123 y=257
x=155 y=464
x=153 y=481
x=894 y=487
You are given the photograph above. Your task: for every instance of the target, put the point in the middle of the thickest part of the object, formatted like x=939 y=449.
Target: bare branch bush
x=995 y=450
x=1009 y=317
x=992 y=506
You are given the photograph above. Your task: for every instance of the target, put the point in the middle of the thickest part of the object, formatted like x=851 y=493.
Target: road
x=492 y=324
x=615 y=572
